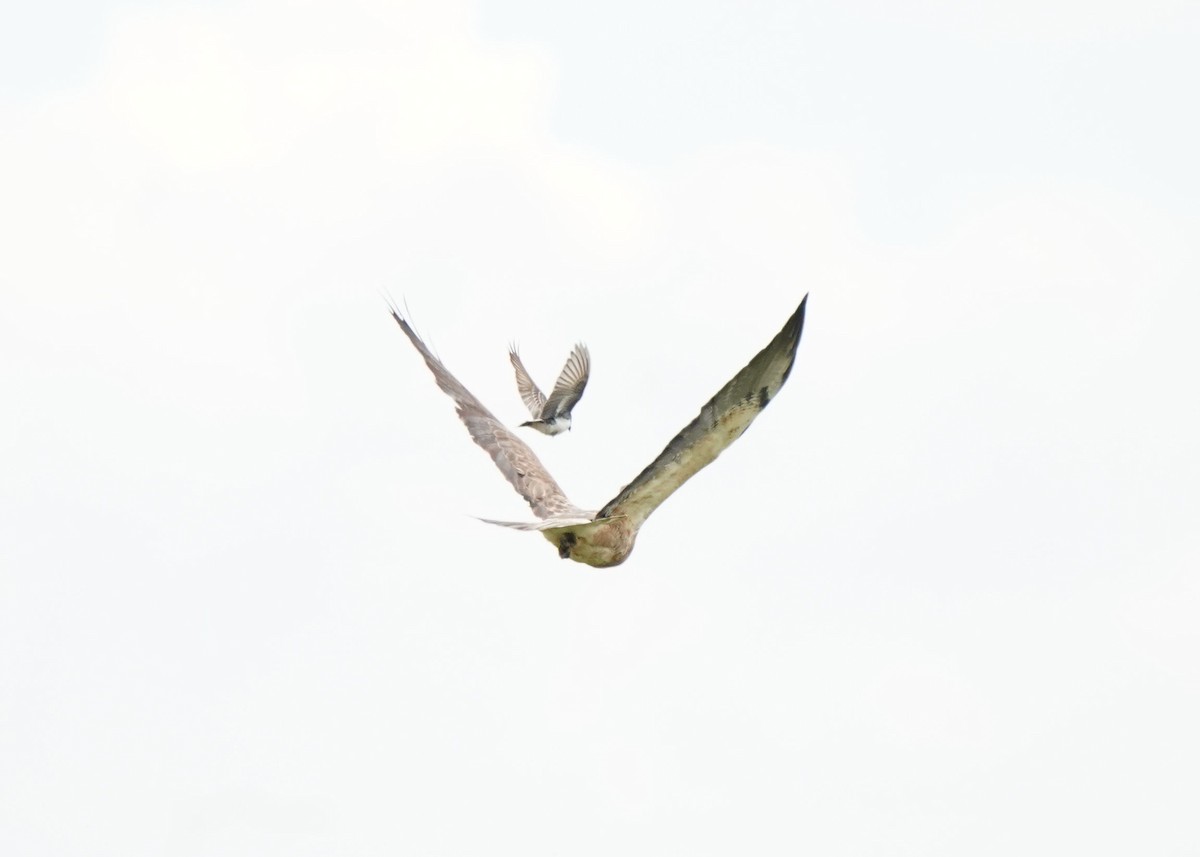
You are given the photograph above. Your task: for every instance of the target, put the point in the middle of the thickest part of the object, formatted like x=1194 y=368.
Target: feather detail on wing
x=533 y=398
x=720 y=423
x=568 y=389
x=515 y=460
x=548 y=524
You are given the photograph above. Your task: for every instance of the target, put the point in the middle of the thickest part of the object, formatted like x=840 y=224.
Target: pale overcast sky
x=941 y=599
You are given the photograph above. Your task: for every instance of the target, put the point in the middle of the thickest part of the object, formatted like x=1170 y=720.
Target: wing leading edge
x=720 y=422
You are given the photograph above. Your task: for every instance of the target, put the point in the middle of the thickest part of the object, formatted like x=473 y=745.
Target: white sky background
x=941 y=599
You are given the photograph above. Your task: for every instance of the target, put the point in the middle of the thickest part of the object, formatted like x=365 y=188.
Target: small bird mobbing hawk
x=606 y=538
x=553 y=415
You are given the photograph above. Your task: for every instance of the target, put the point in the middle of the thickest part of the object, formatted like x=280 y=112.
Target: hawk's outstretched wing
x=720 y=423
x=515 y=460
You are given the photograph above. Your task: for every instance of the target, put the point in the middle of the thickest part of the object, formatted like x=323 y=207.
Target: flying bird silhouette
x=606 y=538
x=553 y=415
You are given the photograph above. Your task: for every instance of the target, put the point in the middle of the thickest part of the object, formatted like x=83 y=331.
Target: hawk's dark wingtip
x=792 y=331
x=798 y=315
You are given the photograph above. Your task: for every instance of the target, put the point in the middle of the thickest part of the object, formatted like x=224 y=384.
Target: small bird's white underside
x=561 y=424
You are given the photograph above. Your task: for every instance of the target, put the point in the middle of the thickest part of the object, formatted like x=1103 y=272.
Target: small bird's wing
x=568 y=389
x=720 y=423
x=530 y=394
x=515 y=460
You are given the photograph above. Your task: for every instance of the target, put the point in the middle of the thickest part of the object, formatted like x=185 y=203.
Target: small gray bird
x=553 y=415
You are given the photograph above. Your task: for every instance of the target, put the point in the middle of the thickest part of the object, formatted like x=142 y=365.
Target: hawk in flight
x=605 y=538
